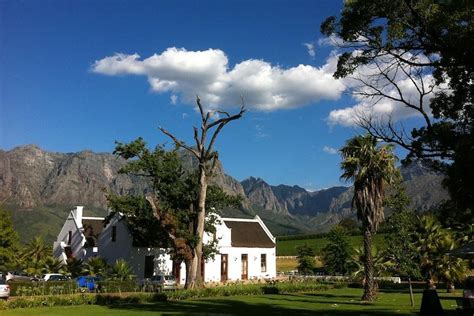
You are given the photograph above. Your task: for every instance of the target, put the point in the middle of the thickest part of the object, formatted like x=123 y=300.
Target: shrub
x=141 y=298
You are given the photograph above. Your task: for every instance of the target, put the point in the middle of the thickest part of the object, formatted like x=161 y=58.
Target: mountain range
x=40 y=187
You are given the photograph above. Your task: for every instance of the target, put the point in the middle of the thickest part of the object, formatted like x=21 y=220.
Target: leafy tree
x=32 y=256
x=430 y=44
x=121 y=271
x=371 y=167
x=433 y=243
x=305 y=259
x=9 y=242
x=402 y=255
x=207 y=159
x=336 y=253
x=168 y=215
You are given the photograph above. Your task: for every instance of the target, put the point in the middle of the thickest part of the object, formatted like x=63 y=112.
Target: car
x=47 y=276
x=160 y=282
x=58 y=277
x=4 y=290
x=17 y=276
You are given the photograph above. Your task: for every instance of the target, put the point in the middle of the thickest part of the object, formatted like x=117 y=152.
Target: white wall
x=122 y=248
x=77 y=240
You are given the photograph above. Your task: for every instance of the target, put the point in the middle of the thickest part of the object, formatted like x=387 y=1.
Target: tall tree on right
x=371 y=168
x=426 y=45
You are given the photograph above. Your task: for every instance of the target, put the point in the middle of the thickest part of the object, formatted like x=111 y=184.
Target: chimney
x=78 y=215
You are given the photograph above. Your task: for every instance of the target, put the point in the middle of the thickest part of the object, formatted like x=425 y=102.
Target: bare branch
x=178 y=142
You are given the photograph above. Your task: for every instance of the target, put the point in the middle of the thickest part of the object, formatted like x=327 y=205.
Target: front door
x=245 y=267
x=149 y=266
x=224 y=267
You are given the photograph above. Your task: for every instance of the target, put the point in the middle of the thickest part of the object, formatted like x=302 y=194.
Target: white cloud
x=385 y=108
x=310 y=48
x=265 y=87
x=330 y=150
x=174 y=99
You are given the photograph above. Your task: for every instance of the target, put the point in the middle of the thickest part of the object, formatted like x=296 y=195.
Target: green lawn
x=330 y=302
x=288 y=247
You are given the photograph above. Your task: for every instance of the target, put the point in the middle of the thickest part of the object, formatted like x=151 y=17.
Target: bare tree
x=207 y=158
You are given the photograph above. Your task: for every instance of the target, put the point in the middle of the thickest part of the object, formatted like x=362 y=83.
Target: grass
x=288 y=247
x=286 y=264
x=291 y=264
x=344 y=301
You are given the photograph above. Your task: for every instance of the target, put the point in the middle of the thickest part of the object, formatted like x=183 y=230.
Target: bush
x=141 y=298
x=68 y=287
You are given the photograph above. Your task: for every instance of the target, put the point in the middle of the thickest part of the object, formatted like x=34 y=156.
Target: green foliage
x=336 y=253
x=425 y=37
x=69 y=298
x=305 y=258
x=289 y=247
x=74 y=267
x=356 y=263
x=433 y=243
x=121 y=271
x=96 y=266
x=9 y=242
x=371 y=167
x=175 y=193
x=402 y=256
x=35 y=258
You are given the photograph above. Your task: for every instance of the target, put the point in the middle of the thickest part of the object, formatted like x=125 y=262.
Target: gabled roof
x=248 y=233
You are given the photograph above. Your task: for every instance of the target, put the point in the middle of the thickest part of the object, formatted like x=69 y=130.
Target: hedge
x=18 y=288
x=140 y=298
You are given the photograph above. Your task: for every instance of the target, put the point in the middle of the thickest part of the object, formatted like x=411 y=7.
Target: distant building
x=246 y=248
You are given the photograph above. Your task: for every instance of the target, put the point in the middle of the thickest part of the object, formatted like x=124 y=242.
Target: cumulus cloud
x=265 y=87
x=330 y=150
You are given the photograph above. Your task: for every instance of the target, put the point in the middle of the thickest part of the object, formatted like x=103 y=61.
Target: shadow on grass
x=262 y=305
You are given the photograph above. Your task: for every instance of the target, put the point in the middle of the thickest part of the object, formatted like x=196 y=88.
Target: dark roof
x=248 y=234
x=92 y=227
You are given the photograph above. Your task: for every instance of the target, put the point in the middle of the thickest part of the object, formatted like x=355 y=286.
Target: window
x=263 y=262
x=69 y=237
x=114 y=233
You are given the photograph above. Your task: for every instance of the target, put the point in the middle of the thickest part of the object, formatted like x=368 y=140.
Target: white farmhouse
x=246 y=248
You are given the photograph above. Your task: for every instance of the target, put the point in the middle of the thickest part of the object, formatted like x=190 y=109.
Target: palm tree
x=96 y=266
x=51 y=264
x=371 y=167
x=433 y=243
x=121 y=271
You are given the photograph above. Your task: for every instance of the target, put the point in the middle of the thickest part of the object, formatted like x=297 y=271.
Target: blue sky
x=63 y=88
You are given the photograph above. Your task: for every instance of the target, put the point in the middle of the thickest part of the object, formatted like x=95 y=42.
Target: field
x=344 y=301
x=288 y=247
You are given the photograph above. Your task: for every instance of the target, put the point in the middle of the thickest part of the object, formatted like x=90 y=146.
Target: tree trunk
x=191 y=272
x=369 y=287
x=412 y=300
x=200 y=225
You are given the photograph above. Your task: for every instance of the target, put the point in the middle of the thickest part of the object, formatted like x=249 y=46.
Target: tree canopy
x=418 y=40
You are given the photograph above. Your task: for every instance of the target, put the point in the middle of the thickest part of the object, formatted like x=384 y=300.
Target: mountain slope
x=40 y=187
